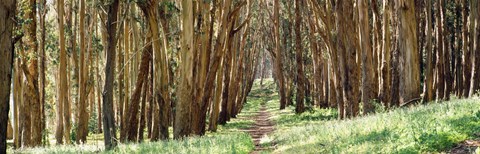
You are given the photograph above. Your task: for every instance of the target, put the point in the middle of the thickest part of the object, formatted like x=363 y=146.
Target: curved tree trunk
x=132 y=117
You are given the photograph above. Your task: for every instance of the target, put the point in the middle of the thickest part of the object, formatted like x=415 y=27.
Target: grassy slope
x=435 y=127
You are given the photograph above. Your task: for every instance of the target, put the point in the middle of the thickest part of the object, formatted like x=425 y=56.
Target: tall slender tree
x=182 y=114
x=82 y=126
x=108 y=114
x=428 y=91
x=7 y=14
x=299 y=58
x=278 y=55
x=62 y=69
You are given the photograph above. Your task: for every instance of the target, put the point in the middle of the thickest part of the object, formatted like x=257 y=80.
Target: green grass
x=228 y=139
x=436 y=127
x=213 y=143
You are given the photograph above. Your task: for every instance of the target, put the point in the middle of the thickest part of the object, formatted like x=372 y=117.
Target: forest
x=239 y=76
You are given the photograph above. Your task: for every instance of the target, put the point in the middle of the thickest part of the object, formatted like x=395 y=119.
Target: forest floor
x=438 y=127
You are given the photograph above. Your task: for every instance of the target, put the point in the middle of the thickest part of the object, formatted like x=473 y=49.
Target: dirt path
x=263 y=126
x=468 y=146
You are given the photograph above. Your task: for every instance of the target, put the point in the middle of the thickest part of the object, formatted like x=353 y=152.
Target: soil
x=262 y=127
x=466 y=147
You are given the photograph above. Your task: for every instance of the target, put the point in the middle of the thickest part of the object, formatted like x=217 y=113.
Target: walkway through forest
x=262 y=127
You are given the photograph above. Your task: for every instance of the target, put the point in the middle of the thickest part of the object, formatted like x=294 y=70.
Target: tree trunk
x=108 y=115
x=126 y=74
x=428 y=92
x=300 y=107
x=7 y=13
x=161 y=84
x=410 y=60
x=98 y=80
x=82 y=126
x=349 y=69
x=217 y=100
x=369 y=86
x=132 y=117
x=202 y=62
x=386 y=78
x=467 y=54
x=440 y=85
x=42 y=81
x=278 y=55
x=446 y=55
x=33 y=123
x=475 y=47
x=17 y=99
x=458 y=50
x=62 y=72
x=72 y=50
x=141 y=129
x=182 y=117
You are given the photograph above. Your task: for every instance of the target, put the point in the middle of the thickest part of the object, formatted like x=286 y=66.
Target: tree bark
x=42 y=81
x=349 y=69
x=467 y=54
x=440 y=85
x=110 y=138
x=182 y=114
x=409 y=57
x=82 y=126
x=217 y=100
x=161 y=83
x=300 y=107
x=32 y=122
x=386 y=78
x=278 y=55
x=428 y=92
x=7 y=14
x=369 y=87
x=62 y=71
x=131 y=115
x=475 y=47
